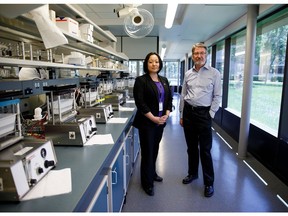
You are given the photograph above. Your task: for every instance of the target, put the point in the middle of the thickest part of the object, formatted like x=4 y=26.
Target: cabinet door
x=100 y=200
x=136 y=144
x=129 y=155
x=117 y=178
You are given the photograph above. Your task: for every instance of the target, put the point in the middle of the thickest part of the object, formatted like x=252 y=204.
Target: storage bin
x=91 y=96
x=7 y=123
x=69 y=25
x=65 y=106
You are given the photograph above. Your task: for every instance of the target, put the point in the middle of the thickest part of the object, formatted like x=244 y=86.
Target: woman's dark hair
x=145 y=64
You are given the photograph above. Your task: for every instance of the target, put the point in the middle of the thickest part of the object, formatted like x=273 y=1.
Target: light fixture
x=163 y=50
x=170 y=14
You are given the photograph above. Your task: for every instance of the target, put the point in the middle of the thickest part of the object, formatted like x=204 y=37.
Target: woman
x=153 y=100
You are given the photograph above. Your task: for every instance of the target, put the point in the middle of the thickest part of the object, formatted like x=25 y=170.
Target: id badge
x=160 y=106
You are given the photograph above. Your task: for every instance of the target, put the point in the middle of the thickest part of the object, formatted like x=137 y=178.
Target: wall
x=137 y=48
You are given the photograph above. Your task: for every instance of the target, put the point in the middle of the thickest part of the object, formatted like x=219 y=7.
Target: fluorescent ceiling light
x=170 y=14
x=163 y=50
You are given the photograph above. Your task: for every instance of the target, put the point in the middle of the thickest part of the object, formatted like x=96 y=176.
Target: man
x=200 y=99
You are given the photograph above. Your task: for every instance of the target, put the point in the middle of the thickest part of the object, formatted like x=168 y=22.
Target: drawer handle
x=127 y=160
x=114 y=173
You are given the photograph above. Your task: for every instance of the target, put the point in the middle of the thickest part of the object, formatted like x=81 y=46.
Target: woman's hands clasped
x=160 y=120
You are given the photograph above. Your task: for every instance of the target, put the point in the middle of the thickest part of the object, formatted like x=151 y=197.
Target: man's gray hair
x=199 y=45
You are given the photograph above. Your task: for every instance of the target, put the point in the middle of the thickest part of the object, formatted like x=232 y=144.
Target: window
x=171 y=71
x=190 y=62
x=136 y=68
x=209 y=56
x=182 y=72
x=220 y=56
x=133 y=68
x=268 y=74
x=236 y=72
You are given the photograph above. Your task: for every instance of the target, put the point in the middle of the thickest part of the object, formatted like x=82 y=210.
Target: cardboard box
x=69 y=25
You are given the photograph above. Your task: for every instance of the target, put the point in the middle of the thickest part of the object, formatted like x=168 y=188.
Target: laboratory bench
x=99 y=173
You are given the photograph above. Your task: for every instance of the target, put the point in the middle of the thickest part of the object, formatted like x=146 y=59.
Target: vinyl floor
x=240 y=185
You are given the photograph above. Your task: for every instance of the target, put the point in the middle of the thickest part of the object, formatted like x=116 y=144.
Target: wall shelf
x=22 y=31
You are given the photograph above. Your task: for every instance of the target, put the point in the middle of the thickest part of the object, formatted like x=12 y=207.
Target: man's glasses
x=199 y=53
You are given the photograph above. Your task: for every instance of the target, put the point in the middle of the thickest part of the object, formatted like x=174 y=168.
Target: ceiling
x=193 y=23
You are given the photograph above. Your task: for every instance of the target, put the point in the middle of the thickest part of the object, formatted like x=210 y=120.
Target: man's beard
x=199 y=62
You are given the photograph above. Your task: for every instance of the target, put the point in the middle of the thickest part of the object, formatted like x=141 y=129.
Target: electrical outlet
x=72 y=135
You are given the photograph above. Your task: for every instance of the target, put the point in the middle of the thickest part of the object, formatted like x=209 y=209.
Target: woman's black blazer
x=145 y=93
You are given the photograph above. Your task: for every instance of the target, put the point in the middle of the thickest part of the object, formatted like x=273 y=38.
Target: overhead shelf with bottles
x=24 y=46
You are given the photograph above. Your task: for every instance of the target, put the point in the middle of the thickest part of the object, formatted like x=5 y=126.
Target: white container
x=75 y=58
x=65 y=106
x=7 y=122
x=69 y=25
x=86 y=32
x=91 y=96
x=87 y=37
x=52 y=16
x=86 y=28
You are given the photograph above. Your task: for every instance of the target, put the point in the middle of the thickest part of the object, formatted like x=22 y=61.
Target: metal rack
x=89 y=93
x=61 y=109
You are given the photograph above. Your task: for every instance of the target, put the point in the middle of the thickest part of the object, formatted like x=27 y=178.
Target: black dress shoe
x=158 y=178
x=149 y=191
x=188 y=179
x=209 y=191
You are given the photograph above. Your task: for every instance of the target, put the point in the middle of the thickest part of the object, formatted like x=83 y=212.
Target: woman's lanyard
x=161 y=93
